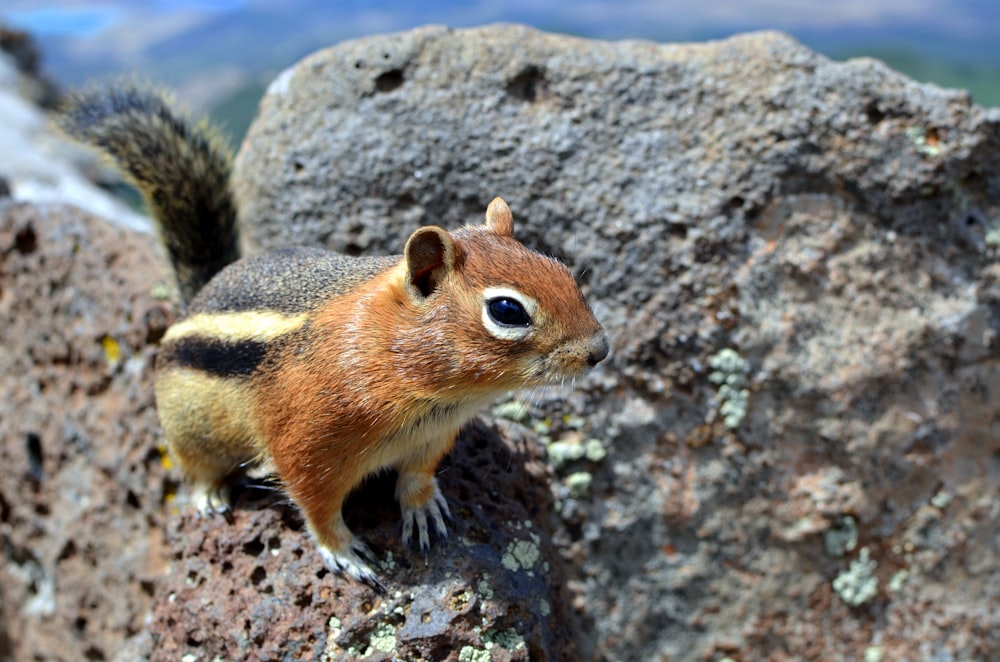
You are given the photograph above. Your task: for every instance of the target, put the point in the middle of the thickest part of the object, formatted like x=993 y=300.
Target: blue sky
x=615 y=18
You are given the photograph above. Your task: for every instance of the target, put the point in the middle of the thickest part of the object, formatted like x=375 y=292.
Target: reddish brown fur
x=378 y=358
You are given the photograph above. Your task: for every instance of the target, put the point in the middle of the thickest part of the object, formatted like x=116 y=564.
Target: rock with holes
x=255 y=587
x=83 y=486
x=797 y=259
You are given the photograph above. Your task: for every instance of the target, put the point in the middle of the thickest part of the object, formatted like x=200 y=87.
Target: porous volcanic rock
x=83 y=487
x=258 y=589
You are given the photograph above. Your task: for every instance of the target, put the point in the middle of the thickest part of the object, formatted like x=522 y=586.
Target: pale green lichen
x=512 y=411
x=471 y=654
x=564 y=451
x=594 y=450
x=578 y=483
x=383 y=640
x=542 y=427
x=544 y=608
x=992 y=237
x=919 y=136
x=484 y=589
x=334 y=627
x=729 y=374
x=858 y=584
x=521 y=555
x=508 y=639
x=161 y=292
x=941 y=500
x=898 y=579
x=874 y=654
x=561 y=452
x=841 y=537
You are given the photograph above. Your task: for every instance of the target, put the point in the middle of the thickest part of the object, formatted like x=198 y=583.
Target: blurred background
x=220 y=54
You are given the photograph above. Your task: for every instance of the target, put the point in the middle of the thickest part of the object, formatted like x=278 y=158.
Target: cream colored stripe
x=234 y=327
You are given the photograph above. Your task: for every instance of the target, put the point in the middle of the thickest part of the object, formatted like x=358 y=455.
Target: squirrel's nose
x=599 y=348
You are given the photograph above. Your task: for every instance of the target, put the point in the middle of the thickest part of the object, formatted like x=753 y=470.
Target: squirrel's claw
x=352 y=563
x=437 y=509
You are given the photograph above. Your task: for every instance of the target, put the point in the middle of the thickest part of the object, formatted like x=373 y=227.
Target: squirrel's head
x=504 y=315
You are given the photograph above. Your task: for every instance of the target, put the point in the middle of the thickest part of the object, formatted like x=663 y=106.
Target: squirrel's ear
x=499 y=219
x=429 y=255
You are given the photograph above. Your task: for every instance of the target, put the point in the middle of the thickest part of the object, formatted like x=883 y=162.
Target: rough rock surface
x=257 y=589
x=103 y=559
x=83 y=484
x=798 y=262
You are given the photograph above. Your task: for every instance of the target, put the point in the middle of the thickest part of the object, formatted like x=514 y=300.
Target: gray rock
x=835 y=224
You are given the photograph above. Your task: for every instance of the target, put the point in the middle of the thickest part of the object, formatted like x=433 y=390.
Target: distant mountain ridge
x=219 y=56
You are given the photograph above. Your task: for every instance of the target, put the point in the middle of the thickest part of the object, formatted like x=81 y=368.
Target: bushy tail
x=181 y=168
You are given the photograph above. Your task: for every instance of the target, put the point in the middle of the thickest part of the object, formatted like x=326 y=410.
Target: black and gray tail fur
x=181 y=168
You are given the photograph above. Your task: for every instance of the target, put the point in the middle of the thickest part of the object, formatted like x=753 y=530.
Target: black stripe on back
x=216 y=357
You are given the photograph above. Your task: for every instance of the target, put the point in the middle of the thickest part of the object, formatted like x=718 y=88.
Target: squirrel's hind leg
x=211 y=498
x=209 y=482
x=210 y=432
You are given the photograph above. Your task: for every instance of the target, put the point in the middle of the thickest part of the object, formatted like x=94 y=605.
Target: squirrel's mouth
x=572 y=361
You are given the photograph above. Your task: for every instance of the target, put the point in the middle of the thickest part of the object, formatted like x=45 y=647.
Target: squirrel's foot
x=353 y=562
x=435 y=509
x=210 y=499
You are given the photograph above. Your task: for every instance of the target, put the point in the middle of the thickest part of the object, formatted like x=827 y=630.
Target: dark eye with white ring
x=508 y=312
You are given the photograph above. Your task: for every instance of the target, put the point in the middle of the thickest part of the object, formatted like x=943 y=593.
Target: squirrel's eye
x=508 y=312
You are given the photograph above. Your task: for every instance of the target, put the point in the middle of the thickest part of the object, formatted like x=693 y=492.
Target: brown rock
x=256 y=587
x=83 y=485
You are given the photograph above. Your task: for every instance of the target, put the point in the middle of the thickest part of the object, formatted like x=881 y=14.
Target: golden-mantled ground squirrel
x=323 y=368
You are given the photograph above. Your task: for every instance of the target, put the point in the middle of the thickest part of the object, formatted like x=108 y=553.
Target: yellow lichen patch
x=165 y=460
x=170 y=493
x=112 y=350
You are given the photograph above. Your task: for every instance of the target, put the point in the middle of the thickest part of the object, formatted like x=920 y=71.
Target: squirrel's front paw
x=436 y=509
x=352 y=561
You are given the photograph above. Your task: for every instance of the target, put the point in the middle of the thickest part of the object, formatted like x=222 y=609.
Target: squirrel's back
x=181 y=167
